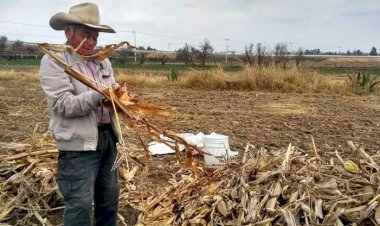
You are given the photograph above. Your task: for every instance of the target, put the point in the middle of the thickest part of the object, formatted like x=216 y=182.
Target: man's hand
x=126 y=96
x=116 y=89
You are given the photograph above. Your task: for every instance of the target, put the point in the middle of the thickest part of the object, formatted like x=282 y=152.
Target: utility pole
x=134 y=39
x=340 y=50
x=291 y=47
x=226 y=49
x=169 y=46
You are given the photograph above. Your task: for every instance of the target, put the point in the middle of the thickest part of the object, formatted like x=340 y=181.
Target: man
x=85 y=131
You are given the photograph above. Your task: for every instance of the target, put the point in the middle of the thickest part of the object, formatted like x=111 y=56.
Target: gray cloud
x=325 y=24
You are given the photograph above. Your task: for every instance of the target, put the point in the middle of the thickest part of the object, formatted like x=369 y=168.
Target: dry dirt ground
x=265 y=119
x=270 y=120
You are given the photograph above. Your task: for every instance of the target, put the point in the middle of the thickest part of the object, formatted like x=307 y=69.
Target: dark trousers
x=85 y=178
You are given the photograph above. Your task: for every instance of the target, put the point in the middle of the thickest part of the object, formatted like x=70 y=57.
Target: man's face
x=81 y=32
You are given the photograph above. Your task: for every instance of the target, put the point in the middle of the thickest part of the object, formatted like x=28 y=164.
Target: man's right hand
x=125 y=96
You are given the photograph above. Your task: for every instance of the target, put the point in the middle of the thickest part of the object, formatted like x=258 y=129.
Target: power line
x=166 y=36
x=227 y=48
x=121 y=31
x=25 y=24
x=154 y=35
x=49 y=36
x=134 y=39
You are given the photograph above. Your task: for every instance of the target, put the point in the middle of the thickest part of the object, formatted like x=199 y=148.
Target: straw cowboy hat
x=86 y=14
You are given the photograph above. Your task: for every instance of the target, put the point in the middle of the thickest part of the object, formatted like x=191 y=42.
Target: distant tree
x=312 y=52
x=16 y=48
x=29 y=49
x=348 y=53
x=3 y=41
x=280 y=51
x=373 y=52
x=124 y=53
x=163 y=59
x=142 y=58
x=150 y=48
x=299 y=56
x=141 y=48
x=358 y=53
x=249 y=55
x=329 y=53
x=187 y=54
x=205 y=51
x=262 y=57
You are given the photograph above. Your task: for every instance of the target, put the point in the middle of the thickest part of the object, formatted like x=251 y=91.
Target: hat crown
x=87 y=12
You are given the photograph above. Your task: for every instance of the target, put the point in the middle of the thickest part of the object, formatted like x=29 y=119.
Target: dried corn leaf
x=377 y=215
x=289 y=217
x=222 y=208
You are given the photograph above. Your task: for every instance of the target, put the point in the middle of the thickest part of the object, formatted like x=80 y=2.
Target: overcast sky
x=330 y=25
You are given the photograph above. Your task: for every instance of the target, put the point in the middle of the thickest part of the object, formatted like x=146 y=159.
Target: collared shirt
x=102 y=112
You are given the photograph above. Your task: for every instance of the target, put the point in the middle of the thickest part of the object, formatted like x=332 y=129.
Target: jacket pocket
x=104 y=72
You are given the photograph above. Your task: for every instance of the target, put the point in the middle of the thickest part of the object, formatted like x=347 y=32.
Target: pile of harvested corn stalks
x=27 y=184
x=28 y=190
x=286 y=187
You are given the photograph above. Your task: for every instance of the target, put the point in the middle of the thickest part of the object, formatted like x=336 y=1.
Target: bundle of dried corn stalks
x=287 y=187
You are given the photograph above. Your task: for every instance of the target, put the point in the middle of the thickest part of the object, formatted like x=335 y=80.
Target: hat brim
x=59 y=20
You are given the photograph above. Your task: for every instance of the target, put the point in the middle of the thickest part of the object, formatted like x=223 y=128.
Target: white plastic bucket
x=217 y=145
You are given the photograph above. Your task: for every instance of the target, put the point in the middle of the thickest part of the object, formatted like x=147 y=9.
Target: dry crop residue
x=268 y=120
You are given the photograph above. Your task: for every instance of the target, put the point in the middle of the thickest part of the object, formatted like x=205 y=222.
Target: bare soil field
x=270 y=120
x=261 y=118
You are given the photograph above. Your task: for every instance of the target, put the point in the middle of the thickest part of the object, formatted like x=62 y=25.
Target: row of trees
x=189 y=53
x=10 y=50
x=278 y=57
x=358 y=52
x=261 y=56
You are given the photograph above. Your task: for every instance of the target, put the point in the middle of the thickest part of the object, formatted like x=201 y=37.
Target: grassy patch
x=260 y=79
x=151 y=65
x=141 y=79
x=346 y=70
x=172 y=66
x=12 y=74
x=283 y=108
x=265 y=79
x=25 y=61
